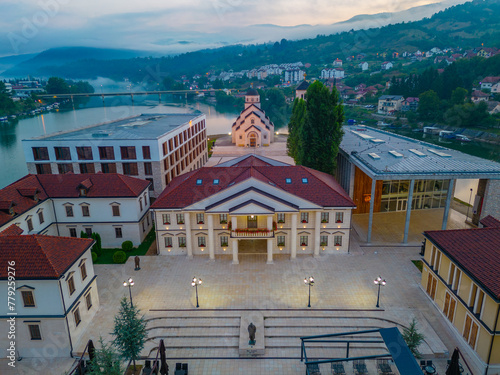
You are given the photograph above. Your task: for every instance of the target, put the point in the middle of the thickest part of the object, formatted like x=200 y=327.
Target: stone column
x=269 y=251
x=189 y=244
x=317 y=230
x=372 y=205
x=235 y=251
x=270 y=223
x=447 y=205
x=211 y=239
x=234 y=222
x=293 y=240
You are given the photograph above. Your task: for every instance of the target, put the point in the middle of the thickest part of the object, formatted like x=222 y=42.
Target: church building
x=252 y=128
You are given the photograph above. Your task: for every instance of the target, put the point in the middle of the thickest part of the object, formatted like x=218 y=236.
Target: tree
x=428 y=105
x=458 y=95
x=106 y=361
x=413 y=338
x=321 y=133
x=129 y=331
x=56 y=85
x=294 y=129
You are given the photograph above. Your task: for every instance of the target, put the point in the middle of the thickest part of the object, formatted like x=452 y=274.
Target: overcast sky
x=28 y=26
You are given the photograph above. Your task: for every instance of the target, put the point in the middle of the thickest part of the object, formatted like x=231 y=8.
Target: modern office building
x=154 y=147
x=253 y=204
x=386 y=172
x=461 y=276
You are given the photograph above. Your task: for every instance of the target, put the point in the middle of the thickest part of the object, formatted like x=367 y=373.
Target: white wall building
x=55 y=296
x=363 y=66
x=152 y=147
x=253 y=204
x=115 y=206
x=294 y=75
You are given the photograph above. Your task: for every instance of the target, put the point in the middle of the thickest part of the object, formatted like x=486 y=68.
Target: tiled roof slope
x=183 y=190
x=40 y=257
x=476 y=251
x=19 y=193
x=12 y=230
x=490 y=221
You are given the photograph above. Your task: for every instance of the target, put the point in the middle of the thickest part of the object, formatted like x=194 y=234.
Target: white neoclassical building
x=252 y=128
x=53 y=294
x=253 y=205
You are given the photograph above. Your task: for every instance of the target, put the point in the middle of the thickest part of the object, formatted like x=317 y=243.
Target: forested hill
x=467 y=25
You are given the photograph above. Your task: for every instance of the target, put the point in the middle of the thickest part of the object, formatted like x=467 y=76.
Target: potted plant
x=201 y=222
x=338 y=244
x=223 y=221
x=202 y=245
x=180 y=222
x=224 y=244
x=324 y=221
x=339 y=221
x=280 y=221
x=303 y=244
x=182 y=245
x=304 y=221
x=281 y=244
x=169 y=245
x=322 y=244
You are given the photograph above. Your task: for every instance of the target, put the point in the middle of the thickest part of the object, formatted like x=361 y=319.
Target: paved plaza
x=343 y=299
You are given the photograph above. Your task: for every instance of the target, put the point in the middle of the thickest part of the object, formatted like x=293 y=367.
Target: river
x=13 y=165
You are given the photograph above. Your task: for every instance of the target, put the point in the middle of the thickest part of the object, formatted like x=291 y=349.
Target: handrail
x=465 y=361
x=80 y=361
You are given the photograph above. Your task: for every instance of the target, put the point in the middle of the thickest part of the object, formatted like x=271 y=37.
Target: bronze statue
x=137 y=263
x=251 y=333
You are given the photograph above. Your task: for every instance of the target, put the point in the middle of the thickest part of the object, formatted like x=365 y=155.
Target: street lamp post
x=130 y=284
x=310 y=282
x=378 y=281
x=470 y=197
x=195 y=282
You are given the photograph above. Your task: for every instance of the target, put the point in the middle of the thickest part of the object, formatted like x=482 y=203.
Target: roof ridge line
x=126 y=183
x=36 y=237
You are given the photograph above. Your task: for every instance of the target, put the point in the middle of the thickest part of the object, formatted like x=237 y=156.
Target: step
x=193 y=331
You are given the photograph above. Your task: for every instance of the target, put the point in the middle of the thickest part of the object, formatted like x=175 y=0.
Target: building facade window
x=325 y=217
x=128 y=152
x=202 y=241
x=64 y=168
x=88 y=300
x=116 y=210
x=337 y=240
x=87 y=168
x=62 y=153
x=35 y=333
x=168 y=241
x=28 y=299
x=71 y=285
x=76 y=315
x=280 y=218
x=72 y=232
x=85 y=211
x=118 y=232
x=88 y=232
x=148 y=169
x=140 y=204
x=449 y=306
x=29 y=222
x=224 y=241
x=43 y=169
x=108 y=167
x=304 y=217
x=303 y=240
x=130 y=169
x=84 y=153
x=280 y=240
x=41 y=219
x=83 y=271
x=182 y=241
x=166 y=219
x=180 y=218
x=200 y=218
x=470 y=331
x=339 y=217
x=223 y=218
x=146 y=152
x=40 y=153
x=323 y=240
x=106 y=153
x=151 y=186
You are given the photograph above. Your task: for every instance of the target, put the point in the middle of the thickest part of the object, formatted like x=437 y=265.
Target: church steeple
x=252 y=97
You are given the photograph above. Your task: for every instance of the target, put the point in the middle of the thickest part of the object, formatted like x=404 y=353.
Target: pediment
x=251 y=207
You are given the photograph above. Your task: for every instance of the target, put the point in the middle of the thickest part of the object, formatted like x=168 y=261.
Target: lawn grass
x=419 y=264
x=107 y=254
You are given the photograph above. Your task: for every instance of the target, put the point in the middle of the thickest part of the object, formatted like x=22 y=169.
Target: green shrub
x=83 y=235
x=119 y=257
x=94 y=256
x=127 y=245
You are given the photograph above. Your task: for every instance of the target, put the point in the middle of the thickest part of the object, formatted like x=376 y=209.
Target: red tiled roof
x=12 y=230
x=478 y=94
x=490 y=79
x=40 y=257
x=100 y=185
x=489 y=221
x=476 y=251
x=320 y=189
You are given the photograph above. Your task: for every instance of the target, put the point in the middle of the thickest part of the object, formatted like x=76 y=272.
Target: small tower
x=252 y=97
x=300 y=91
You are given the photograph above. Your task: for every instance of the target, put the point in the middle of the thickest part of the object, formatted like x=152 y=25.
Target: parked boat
x=462 y=138
x=447 y=134
x=431 y=130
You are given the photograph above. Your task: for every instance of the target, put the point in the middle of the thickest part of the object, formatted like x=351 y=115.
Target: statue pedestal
x=258 y=348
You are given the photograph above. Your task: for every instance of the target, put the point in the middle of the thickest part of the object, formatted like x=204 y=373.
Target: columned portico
x=293 y=250
x=234 y=226
x=211 y=239
x=189 y=245
x=270 y=240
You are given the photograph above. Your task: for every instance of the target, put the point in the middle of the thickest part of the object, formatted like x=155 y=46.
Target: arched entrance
x=252 y=139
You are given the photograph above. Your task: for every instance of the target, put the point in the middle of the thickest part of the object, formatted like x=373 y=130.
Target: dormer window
x=11 y=211
x=199 y=181
x=305 y=180
x=83 y=192
x=216 y=181
x=288 y=180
